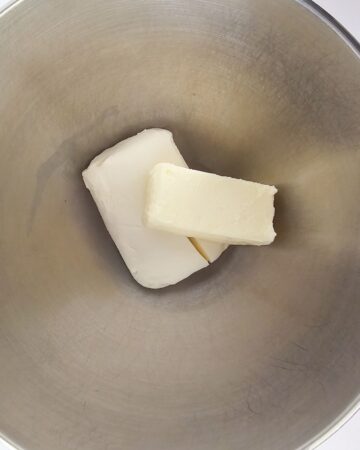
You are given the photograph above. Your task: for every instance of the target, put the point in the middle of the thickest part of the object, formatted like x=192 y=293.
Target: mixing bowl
x=261 y=350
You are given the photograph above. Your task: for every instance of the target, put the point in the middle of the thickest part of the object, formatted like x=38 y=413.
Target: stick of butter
x=207 y=206
x=117 y=182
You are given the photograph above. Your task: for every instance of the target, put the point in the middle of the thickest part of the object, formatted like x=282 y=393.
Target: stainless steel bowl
x=261 y=350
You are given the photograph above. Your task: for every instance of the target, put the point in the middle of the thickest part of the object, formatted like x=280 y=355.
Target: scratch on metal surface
x=249 y=407
x=301 y=347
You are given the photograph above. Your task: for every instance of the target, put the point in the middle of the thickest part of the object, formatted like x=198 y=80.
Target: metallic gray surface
x=261 y=350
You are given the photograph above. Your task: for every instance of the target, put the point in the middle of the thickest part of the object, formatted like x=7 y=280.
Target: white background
x=346 y=12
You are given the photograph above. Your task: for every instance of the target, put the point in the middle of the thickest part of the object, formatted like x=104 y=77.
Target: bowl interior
x=259 y=351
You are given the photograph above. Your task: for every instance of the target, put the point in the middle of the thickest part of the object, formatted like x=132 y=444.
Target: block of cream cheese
x=207 y=206
x=117 y=181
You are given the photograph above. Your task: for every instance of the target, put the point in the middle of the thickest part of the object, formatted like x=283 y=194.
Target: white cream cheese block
x=208 y=206
x=117 y=181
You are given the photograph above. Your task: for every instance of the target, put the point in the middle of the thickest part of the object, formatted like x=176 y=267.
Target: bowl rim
x=354 y=44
